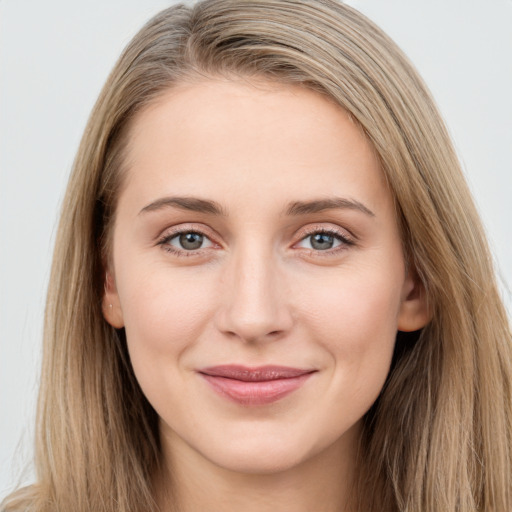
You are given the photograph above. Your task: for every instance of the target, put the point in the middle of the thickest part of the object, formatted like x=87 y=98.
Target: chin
x=262 y=460
x=264 y=452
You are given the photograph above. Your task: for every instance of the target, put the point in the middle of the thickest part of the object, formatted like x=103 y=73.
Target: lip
x=251 y=386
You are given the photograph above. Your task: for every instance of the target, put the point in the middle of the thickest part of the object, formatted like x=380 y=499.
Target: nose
x=255 y=305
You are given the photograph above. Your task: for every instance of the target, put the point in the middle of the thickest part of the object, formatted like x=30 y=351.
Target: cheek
x=354 y=317
x=355 y=302
x=164 y=313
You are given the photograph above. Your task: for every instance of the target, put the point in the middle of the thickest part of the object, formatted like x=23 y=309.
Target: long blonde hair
x=439 y=437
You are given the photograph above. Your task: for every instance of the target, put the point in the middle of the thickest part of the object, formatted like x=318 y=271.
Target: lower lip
x=255 y=393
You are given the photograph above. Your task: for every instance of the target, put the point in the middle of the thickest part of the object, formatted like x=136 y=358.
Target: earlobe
x=414 y=311
x=111 y=305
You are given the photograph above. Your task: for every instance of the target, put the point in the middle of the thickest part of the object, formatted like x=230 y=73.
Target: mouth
x=255 y=386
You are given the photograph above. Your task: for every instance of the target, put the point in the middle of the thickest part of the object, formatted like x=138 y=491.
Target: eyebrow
x=320 y=205
x=295 y=208
x=193 y=204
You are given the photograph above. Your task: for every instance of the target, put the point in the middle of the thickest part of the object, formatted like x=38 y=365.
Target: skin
x=258 y=291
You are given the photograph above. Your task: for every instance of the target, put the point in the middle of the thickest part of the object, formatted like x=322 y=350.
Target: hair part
x=439 y=436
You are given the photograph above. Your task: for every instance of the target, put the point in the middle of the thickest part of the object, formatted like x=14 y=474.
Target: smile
x=255 y=386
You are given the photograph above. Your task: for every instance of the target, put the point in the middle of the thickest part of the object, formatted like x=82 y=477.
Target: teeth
x=258 y=376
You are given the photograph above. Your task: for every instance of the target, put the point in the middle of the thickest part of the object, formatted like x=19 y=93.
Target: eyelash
x=164 y=242
x=345 y=241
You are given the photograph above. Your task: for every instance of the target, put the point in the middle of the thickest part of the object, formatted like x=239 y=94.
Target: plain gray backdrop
x=54 y=58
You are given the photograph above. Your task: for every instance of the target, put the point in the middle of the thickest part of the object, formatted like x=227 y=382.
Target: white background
x=54 y=58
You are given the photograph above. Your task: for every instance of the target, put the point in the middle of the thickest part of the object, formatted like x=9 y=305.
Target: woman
x=270 y=286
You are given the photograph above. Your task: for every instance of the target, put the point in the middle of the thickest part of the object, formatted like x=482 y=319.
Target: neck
x=192 y=483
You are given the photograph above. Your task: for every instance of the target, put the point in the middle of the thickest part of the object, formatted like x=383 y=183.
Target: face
x=257 y=269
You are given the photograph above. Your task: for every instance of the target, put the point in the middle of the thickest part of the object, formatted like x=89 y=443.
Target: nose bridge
x=255 y=306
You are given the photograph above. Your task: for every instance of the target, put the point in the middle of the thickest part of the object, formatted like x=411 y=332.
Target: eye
x=188 y=241
x=324 y=241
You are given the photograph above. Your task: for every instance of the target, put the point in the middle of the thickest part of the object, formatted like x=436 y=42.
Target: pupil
x=191 y=241
x=322 y=241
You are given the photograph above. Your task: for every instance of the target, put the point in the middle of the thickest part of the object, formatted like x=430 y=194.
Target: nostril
x=251 y=315
x=253 y=336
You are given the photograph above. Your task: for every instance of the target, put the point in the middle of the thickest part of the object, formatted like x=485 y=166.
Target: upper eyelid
x=173 y=231
x=329 y=229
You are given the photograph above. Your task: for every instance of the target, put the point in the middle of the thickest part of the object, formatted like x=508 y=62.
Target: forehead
x=260 y=139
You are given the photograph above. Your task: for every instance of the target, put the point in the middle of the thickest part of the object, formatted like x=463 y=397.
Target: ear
x=111 y=305
x=414 y=309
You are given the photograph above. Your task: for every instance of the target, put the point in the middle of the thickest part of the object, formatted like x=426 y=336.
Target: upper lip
x=254 y=374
